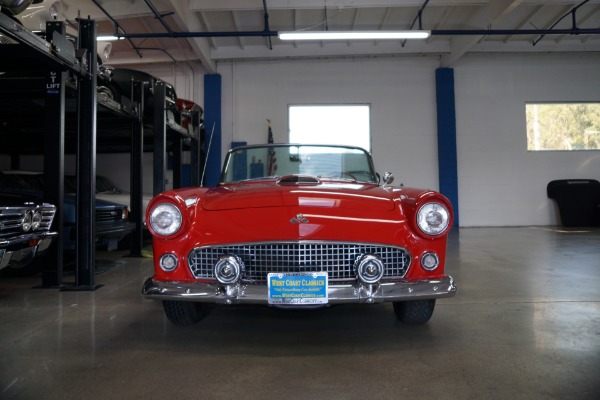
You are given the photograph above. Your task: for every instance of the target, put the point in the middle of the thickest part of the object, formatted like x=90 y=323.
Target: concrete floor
x=524 y=325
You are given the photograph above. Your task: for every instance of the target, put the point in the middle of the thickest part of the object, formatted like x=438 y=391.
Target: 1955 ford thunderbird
x=300 y=226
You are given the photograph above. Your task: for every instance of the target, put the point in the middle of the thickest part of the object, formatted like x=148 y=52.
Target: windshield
x=323 y=162
x=104 y=185
x=22 y=181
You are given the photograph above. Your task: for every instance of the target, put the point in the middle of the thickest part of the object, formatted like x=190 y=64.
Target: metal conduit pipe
x=116 y=25
x=491 y=32
x=158 y=16
x=435 y=32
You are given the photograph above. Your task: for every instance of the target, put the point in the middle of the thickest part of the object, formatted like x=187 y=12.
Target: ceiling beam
x=524 y=21
x=491 y=14
x=220 y=5
x=236 y=24
x=189 y=21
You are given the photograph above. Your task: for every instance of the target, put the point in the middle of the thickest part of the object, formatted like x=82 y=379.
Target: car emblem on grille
x=299 y=219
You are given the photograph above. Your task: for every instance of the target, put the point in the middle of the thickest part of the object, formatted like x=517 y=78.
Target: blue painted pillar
x=212 y=126
x=446 y=124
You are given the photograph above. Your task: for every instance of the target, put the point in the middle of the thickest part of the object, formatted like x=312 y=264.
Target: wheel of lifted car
x=414 y=312
x=184 y=313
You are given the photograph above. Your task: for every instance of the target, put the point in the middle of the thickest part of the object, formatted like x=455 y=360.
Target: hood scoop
x=298 y=180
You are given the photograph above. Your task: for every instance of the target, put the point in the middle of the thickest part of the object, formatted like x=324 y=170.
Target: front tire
x=414 y=312
x=184 y=313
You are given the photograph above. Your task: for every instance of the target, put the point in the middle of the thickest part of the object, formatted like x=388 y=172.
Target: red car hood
x=327 y=195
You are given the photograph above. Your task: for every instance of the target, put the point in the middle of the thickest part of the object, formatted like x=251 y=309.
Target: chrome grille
x=110 y=215
x=337 y=259
x=48 y=211
x=11 y=219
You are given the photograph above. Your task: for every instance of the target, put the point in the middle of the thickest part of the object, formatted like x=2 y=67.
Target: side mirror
x=388 y=178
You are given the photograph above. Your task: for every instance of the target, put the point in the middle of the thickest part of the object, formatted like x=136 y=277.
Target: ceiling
x=457 y=27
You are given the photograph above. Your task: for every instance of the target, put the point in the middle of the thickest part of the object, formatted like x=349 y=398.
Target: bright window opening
x=331 y=124
x=571 y=126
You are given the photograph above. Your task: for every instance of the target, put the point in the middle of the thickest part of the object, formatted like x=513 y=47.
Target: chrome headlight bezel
x=433 y=218
x=27 y=221
x=165 y=219
x=36 y=220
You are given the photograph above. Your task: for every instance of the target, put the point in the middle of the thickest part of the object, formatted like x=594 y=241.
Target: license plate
x=1 y=255
x=298 y=288
x=113 y=244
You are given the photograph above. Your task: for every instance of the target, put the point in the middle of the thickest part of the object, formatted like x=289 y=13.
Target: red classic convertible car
x=300 y=226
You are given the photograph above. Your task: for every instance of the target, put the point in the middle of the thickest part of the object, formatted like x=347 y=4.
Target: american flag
x=272 y=158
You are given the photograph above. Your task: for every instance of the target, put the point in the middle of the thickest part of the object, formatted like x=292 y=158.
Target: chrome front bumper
x=16 y=253
x=337 y=294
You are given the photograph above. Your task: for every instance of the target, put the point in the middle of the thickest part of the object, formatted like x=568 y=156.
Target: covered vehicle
x=299 y=226
x=25 y=229
x=16 y=7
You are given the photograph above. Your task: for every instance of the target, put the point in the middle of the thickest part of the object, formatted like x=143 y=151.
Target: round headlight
x=433 y=218
x=165 y=219
x=36 y=220
x=27 y=222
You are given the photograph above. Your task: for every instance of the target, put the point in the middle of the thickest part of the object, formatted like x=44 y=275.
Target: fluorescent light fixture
x=108 y=38
x=353 y=35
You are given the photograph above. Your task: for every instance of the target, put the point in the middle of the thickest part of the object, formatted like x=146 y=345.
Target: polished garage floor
x=524 y=325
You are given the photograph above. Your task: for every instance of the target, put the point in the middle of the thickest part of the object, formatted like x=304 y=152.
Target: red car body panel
x=245 y=213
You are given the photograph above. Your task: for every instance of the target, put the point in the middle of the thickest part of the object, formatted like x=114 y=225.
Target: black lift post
x=136 y=173
x=54 y=156
x=86 y=163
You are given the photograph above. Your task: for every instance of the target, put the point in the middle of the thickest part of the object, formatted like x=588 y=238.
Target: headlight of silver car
x=165 y=219
x=433 y=218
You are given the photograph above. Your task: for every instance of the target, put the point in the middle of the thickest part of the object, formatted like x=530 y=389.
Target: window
x=570 y=126
x=331 y=124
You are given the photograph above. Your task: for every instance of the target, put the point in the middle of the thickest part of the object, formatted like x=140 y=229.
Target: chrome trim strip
x=338 y=294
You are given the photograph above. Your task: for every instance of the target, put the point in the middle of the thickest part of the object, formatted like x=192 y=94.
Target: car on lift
x=25 y=229
x=120 y=89
x=188 y=109
x=16 y=7
x=299 y=226
x=112 y=219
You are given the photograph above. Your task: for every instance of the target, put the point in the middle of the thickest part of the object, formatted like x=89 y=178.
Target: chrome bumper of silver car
x=337 y=294
x=15 y=253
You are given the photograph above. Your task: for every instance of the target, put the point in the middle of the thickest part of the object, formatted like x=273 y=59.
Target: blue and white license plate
x=298 y=288
x=1 y=255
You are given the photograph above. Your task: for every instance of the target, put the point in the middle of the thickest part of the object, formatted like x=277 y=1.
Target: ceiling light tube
x=353 y=35
x=108 y=38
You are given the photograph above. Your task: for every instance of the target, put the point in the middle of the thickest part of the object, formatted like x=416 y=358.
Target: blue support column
x=446 y=124
x=212 y=124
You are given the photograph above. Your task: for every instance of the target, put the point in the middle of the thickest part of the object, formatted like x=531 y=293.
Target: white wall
x=401 y=92
x=500 y=182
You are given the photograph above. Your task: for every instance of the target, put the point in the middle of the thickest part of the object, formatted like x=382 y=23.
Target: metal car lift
x=55 y=60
